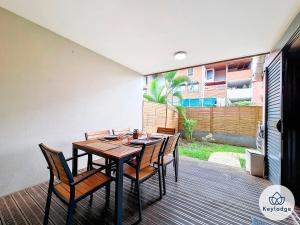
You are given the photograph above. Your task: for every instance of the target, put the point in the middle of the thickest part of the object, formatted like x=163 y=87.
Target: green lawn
x=202 y=151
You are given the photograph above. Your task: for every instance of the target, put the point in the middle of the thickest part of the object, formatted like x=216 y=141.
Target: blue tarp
x=199 y=102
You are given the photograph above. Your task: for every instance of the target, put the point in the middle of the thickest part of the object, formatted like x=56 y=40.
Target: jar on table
x=135 y=134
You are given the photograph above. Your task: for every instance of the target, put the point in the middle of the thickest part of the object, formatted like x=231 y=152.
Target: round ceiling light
x=180 y=55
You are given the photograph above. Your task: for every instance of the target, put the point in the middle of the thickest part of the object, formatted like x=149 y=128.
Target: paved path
x=226 y=158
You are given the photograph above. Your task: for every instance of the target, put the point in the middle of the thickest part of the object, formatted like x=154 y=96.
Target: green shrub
x=189 y=126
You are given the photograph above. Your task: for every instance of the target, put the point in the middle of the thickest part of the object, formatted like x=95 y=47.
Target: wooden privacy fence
x=236 y=120
x=158 y=115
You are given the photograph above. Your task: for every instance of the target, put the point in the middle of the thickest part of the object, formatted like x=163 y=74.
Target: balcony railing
x=239 y=93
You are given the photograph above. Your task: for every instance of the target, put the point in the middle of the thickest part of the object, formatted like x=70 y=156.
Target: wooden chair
x=141 y=169
x=94 y=136
x=169 y=155
x=70 y=189
x=165 y=130
x=121 y=131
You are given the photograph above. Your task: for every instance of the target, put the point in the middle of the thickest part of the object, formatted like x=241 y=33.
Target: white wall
x=53 y=90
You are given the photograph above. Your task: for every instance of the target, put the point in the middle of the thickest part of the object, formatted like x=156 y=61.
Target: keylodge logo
x=276 y=199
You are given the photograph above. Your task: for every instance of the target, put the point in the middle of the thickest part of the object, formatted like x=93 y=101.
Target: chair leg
x=164 y=178
x=107 y=195
x=165 y=173
x=70 y=212
x=176 y=170
x=159 y=182
x=131 y=185
x=139 y=200
x=48 y=203
x=91 y=199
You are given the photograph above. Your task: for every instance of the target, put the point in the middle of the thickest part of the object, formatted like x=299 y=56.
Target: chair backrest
x=150 y=153
x=171 y=144
x=96 y=135
x=121 y=131
x=165 y=130
x=57 y=164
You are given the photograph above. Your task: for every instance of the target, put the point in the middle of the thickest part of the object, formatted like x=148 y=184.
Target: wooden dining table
x=119 y=152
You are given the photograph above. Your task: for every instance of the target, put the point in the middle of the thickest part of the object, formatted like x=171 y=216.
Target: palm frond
x=178 y=94
x=179 y=80
x=149 y=98
x=162 y=99
x=153 y=87
x=169 y=76
x=160 y=90
x=181 y=111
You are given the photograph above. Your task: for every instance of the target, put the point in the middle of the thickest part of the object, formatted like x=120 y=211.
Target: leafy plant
x=156 y=93
x=161 y=93
x=173 y=82
x=189 y=126
x=181 y=111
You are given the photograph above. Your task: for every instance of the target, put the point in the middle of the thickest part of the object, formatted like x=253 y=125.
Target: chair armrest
x=74 y=157
x=86 y=176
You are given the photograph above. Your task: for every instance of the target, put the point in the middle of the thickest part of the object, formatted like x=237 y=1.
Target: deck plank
x=206 y=193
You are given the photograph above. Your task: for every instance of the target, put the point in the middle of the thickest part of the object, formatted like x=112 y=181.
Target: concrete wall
x=258 y=92
x=231 y=139
x=53 y=90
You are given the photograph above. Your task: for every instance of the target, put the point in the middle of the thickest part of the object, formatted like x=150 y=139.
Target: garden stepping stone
x=226 y=158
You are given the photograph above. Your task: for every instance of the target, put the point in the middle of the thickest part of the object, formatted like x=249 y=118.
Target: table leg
x=74 y=162
x=107 y=188
x=90 y=162
x=119 y=192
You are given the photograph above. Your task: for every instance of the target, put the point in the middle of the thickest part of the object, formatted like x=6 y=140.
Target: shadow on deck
x=206 y=193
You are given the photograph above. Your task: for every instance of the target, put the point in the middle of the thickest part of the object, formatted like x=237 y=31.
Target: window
x=182 y=88
x=210 y=74
x=194 y=87
x=190 y=71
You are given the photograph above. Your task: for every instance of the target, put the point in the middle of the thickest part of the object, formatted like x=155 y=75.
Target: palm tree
x=173 y=82
x=156 y=93
x=161 y=94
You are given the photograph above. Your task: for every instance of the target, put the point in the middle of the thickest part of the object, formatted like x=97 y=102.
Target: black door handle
x=278 y=125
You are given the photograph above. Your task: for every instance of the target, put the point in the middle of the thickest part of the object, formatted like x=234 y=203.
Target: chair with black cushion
x=95 y=136
x=68 y=188
x=142 y=168
x=166 y=130
x=169 y=155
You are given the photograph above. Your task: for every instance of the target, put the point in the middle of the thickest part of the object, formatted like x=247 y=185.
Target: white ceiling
x=143 y=35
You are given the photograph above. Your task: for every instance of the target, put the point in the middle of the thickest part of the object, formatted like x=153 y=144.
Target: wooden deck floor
x=206 y=193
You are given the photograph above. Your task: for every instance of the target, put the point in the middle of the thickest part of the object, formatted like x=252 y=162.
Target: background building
x=219 y=84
